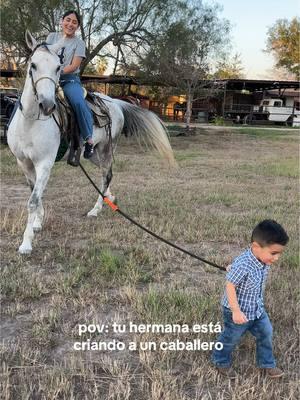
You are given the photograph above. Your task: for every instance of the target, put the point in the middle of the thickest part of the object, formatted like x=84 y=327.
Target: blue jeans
x=71 y=86
x=261 y=328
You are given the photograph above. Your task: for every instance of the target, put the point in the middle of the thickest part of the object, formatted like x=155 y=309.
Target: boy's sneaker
x=88 y=150
x=228 y=372
x=273 y=372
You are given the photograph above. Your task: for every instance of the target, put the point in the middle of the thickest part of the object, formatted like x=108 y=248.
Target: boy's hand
x=239 y=317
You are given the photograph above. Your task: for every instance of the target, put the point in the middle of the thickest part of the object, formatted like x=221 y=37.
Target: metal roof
x=114 y=79
x=9 y=73
x=253 y=85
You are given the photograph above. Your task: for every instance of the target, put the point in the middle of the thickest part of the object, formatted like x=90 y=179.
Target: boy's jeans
x=261 y=328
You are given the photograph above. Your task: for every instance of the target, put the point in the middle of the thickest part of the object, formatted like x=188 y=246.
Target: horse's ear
x=30 y=40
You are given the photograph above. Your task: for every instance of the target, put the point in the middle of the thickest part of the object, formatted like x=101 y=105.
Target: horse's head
x=44 y=71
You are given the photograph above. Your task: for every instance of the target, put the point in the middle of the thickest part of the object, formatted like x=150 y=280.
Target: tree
x=229 y=68
x=284 y=43
x=39 y=16
x=97 y=67
x=181 y=56
x=108 y=27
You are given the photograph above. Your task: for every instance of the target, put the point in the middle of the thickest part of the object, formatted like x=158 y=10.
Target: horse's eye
x=57 y=69
x=33 y=66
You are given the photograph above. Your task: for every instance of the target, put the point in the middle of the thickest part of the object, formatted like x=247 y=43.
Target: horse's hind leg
x=104 y=188
x=29 y=172
x=35 y=208
x=103 y=159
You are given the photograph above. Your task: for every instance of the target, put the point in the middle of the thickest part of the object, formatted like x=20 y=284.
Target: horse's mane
x=41 y=46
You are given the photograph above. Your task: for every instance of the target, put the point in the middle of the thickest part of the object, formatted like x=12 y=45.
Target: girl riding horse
x=71 y=57
x=34 y=135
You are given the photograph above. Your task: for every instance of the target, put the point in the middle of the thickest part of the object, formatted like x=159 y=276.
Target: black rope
x=150 y=232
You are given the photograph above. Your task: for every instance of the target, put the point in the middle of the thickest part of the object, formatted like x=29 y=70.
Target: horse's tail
x=146 y=125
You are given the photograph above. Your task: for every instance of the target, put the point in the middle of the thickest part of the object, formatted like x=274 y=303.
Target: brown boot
x=228 y=372
x=273 y=372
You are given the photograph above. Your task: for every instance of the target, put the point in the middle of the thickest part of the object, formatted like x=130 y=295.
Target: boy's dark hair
x=269 y=232
x=69 y=12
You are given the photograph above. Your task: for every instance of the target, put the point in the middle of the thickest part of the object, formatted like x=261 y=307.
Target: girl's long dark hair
x=69 y=12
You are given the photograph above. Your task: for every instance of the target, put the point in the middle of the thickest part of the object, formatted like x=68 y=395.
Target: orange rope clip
x=112 y=205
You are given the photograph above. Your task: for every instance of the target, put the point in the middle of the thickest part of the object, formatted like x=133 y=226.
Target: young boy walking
x=243 y=303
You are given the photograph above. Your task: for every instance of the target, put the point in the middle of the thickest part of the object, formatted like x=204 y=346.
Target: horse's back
x=116 y=116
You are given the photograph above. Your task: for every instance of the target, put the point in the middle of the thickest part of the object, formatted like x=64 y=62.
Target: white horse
x=34 y=136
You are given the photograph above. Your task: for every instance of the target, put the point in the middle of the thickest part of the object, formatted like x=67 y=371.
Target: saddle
x=66 y=120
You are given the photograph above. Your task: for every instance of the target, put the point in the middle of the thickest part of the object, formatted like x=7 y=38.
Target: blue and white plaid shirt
x=248 y=275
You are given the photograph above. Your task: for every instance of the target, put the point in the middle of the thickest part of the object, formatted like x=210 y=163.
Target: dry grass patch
x=85 y=271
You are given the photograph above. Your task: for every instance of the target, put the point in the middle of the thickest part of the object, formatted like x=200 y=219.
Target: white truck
x=273 y=110
x=270 y=110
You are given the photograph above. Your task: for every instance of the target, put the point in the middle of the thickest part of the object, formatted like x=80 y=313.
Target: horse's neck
x=28 y=99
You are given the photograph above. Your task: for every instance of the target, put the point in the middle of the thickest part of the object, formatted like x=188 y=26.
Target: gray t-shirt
x=73 y=47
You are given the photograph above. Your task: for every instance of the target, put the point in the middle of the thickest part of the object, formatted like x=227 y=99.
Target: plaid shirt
x=248 y=275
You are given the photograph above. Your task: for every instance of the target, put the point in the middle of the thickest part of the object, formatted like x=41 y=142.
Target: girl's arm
x=69 y=69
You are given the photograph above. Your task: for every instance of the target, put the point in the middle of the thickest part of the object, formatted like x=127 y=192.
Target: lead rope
x=114 y=207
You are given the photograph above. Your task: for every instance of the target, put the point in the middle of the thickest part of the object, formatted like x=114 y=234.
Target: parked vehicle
x=272 y=110
x=8 y=97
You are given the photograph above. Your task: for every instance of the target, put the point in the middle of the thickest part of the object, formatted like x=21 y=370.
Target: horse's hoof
x=92 y=214
x=37 y=229
x=25 y=250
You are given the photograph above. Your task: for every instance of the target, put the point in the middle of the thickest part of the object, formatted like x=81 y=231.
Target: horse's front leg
x=35 y=207
x=104 y=188
x=39 y=217
x=29 y=172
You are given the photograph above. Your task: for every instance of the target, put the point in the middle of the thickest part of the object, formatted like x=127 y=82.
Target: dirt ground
x=99 y=272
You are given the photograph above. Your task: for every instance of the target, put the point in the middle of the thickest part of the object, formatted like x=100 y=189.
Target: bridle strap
x=34 y=83
x=44 y=77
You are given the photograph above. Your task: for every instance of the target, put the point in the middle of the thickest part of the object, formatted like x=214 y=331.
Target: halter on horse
x=34 y=136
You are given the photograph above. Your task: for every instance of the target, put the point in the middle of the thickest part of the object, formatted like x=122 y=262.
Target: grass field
x=103 y=271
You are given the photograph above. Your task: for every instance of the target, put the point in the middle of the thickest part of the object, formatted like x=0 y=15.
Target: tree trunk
x=188 y=114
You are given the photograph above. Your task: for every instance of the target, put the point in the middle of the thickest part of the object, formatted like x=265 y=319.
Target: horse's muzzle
x=47 y=107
